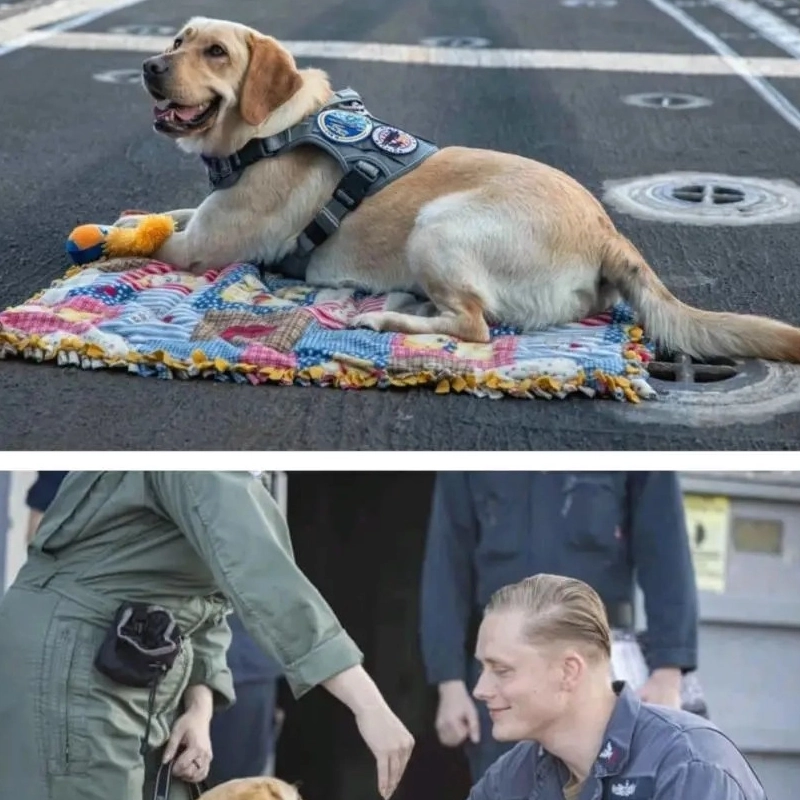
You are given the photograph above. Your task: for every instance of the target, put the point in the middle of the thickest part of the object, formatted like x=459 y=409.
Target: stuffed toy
x=89 y=243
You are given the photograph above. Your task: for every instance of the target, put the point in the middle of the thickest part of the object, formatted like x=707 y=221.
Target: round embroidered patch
x=393 y=140
x=339 y=125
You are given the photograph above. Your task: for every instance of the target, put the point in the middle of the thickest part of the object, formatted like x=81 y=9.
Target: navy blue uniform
x=489 y=529
x=648 y=753
x=44 y=489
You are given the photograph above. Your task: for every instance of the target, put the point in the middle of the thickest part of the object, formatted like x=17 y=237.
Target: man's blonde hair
x=557 y=609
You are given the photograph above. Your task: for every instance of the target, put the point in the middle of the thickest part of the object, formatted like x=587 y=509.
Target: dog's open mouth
x=174 y=118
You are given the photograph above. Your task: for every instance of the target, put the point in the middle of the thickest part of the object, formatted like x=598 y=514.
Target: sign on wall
x=708 y=523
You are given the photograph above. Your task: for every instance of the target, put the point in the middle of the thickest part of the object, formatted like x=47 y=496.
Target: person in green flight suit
x=194 y=544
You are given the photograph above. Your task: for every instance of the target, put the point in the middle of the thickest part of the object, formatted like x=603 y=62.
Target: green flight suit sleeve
x=239 y=532
x=210 y=666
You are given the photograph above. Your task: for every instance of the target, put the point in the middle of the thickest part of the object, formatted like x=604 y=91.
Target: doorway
x=359 y=537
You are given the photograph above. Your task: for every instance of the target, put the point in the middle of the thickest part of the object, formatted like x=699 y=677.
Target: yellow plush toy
x=89 y=243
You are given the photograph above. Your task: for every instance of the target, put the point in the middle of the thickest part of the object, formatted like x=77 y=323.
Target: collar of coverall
x=613 y=754
x=617 y=738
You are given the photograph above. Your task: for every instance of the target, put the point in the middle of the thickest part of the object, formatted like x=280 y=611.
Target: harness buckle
x=353 y=187
x=269 y=145
x=223 y=168
x=341 y=195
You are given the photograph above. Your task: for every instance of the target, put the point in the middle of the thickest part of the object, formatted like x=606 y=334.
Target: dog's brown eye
x=216 y=51
x=177 y=43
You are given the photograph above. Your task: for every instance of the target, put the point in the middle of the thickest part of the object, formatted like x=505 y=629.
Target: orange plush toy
x=89 y=243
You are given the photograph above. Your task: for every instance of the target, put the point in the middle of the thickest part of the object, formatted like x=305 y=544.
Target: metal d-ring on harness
x=370 y=152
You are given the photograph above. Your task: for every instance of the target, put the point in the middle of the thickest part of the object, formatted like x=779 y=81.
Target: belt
x=620 y=615
x=100 y=608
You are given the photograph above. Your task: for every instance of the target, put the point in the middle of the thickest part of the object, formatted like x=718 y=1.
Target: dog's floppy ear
x=271 y=79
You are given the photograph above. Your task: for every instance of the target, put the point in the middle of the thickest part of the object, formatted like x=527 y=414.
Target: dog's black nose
x=155 y=67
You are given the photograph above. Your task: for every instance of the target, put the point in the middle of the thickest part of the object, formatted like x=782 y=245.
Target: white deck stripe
x=62 y=15
x=766 y=91
x=660 y=63
x=766 y=24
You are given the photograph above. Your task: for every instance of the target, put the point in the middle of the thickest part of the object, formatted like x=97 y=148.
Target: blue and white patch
x=342 y=126
x=393 y=140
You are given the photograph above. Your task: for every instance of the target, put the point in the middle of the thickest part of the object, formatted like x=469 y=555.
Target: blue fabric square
x=319 y=344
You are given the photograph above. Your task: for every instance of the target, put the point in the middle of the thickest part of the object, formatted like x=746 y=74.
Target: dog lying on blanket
x=484 y=235
x=252 y=789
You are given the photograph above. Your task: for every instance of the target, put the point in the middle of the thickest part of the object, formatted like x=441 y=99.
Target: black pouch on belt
x=139 y=648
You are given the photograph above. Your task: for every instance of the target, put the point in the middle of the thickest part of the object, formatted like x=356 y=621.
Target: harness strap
x=347 y=196
x=365 y=170
x=225 y=171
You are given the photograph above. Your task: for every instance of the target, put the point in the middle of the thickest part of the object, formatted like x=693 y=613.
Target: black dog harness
x=370 y=152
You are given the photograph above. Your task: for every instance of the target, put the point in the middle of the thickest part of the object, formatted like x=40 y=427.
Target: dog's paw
x=129 y=221
x=372 y=319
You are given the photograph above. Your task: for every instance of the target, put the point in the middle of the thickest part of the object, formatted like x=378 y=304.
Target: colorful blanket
x=233 y=324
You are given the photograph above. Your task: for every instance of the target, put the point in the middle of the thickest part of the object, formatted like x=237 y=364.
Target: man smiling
x=545 y=646
x=612 y=530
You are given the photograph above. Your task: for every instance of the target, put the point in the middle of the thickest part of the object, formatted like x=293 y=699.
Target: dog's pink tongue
x=187 y=112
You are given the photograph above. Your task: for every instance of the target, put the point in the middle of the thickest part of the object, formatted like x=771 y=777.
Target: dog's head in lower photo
x=253 y=789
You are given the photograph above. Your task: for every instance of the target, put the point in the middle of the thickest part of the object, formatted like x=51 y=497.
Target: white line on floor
x=62 y=15
x=768 y=25
x=661 y=63
x=765 y=90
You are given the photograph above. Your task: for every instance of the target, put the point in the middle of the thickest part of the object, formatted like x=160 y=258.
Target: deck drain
x=677 y=102
x=701 y=198
x=679 y=372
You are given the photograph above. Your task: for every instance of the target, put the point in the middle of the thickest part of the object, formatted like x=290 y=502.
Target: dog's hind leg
x=446 y=254
x=459 y=311
x=462 y=317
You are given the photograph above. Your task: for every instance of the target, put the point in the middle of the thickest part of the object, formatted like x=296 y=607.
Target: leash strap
x=164 y=781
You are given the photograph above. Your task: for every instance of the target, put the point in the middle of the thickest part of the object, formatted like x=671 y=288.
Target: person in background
x=244 y=737
x=39 y=497
x=544 y=647
x=489 y=529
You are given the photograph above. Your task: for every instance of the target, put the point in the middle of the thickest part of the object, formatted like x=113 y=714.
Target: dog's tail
x=679 y=327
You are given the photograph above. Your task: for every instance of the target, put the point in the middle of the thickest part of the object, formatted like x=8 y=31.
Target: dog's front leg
x=204 y=245
x=182 y=217
x=182 y=250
